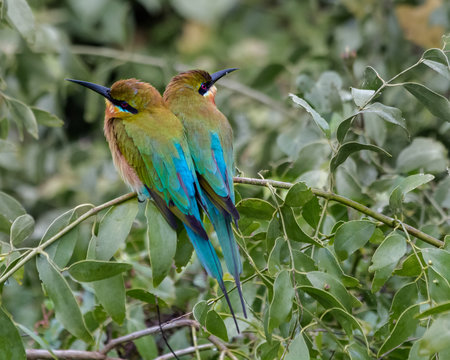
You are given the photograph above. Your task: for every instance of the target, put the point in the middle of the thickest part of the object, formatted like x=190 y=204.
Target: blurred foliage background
x=316 y=49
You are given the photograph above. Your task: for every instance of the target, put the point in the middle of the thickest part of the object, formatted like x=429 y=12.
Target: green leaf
x=319 y=120
x=20 y=16
x=423 y=154
x=406 y=185
x=216 y=326
x=343 y=128
x=326 y=299
x=146 y=346
x=61 y=250
x=403 y=299
x=387 y=113
x=348 y=322
x=436 y=60
x=161 y=243
x=436 y=337
x=311 y=212
x=298 y=349
x=293 y=230
x=46 y=119
x=332 y=285
x=10 y=209
x=352 y=236
x=438 y=286
x=358 y=352
x=437 y=104
x=146 y=296
x=7 y=147
x=11 y=346
x=111 y=295
x=389 y=252
x=327 y=262
x=438 y=309
x=439 y=260
x=67 y=310
x=414 y=352
x=348 y=148
x=410 y=266
x=361 y=96
x=21 y=228
x=404 y=327
x=184 y=250
x=114 y=228
x=24 y=117
x=371 y=79
x=278 y=257
x=298 y=195
x=255 y=209
x=268 y=350
x=200 y=310
x=93 y=270
x=283 y=296
x=42 y=342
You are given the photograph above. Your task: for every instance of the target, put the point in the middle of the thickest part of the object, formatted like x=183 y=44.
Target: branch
x=37 y=354
x=186 y=351
x=161 y=63
x=347 y=202
x=65 y=230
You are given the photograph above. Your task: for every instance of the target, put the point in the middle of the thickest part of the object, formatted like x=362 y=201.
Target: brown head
x=126 y=98
x=196 y=85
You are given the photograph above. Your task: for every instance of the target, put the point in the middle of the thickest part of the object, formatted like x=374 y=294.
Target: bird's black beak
x=102 y=90
x=219 y=74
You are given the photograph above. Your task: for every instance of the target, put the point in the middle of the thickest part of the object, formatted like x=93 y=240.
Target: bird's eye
x=203 y=88
x=124 y=106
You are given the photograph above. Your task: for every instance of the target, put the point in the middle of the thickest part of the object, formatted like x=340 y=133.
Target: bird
x=150 y=152
x=190 y=95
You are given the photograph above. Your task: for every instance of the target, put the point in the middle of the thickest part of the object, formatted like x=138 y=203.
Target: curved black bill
x=219 y=74
x=102 y=90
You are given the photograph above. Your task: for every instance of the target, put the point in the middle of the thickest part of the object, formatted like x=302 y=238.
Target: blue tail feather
x=209 y=260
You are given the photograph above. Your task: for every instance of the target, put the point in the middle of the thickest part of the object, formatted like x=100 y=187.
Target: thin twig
x=350 y=203
x=162 y=63
x=186 y=351
x=35 y=354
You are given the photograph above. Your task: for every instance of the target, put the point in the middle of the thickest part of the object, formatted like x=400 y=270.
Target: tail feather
x=222 y=224
x=209 y=260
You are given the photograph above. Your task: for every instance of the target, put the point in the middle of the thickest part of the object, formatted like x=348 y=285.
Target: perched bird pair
x=178 y=151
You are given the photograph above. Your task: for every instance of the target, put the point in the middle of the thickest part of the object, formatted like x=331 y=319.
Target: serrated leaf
x=298 y=195
x=281 y=304
x=93 y=270
x=352 y=236
x=389 y=252
x=46 y=119
x=406 y=185
x=20 y=16
x=319 y=120
x=216 y=326
x=298 y=349
x=161 y=243
x=348 y=148
x=11 y=345
x=114 y=228
x=436 y=60
x=404 y=327
x=436 y=337
x=110 y=293
x=23 y=116
x=21 y=228
x=67 y=310
x=437 y=104
x=361 y=96
x=387 y=113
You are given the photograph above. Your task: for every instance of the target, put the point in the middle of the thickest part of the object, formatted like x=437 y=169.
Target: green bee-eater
x=190 y=96
x=151 y=153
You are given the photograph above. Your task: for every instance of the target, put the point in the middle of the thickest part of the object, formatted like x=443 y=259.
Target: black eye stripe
x=125 y=106
x=204 y=87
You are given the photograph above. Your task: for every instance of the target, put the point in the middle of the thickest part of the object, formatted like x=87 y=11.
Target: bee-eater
x=151 y=153
x=190 y=96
